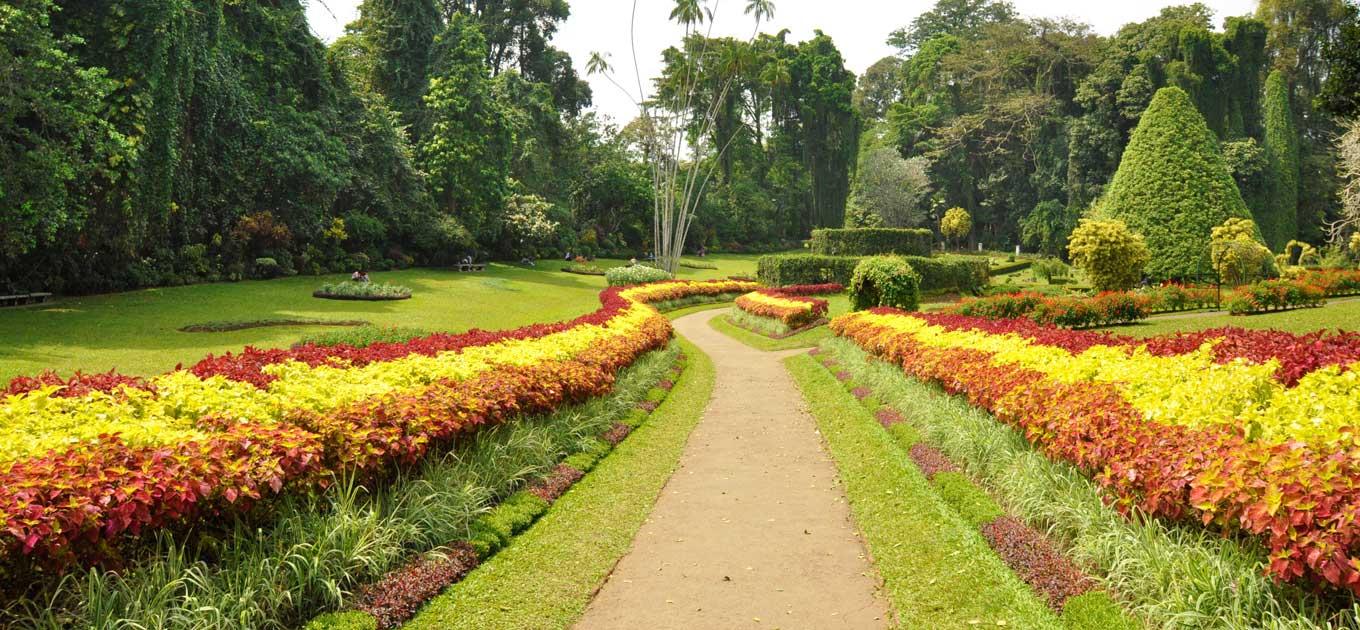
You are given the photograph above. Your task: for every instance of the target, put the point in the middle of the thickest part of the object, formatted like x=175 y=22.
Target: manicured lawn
x=547 y=576
x=937 y=570
x=137 y=332
x=1343 y=313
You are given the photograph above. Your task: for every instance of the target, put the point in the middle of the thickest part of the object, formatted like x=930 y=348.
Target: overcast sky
x=859 y=28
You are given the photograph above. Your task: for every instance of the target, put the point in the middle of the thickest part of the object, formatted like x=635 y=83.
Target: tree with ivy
x=1173 y=186
x=467 y=149
x=1279 y=218
x=398 y=36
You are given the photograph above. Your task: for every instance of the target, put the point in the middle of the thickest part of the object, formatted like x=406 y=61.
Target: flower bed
x=362 y=291
x=1250 y=431
x=789 y=305
x=1105 y=309
x=87 y=461
x=1275 y=295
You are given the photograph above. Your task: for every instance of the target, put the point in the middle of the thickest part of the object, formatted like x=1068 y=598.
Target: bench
x=471 y=267
x=21 y=299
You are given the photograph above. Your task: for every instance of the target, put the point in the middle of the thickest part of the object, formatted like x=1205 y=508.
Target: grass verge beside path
x=938 y=571
x=1173 y=576
x=547 y=576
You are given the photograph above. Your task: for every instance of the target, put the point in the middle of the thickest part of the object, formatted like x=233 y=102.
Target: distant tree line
x=1024 y=121
x=161 y=142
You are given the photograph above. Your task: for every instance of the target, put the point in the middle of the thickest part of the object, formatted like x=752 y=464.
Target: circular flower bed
x=362 y=291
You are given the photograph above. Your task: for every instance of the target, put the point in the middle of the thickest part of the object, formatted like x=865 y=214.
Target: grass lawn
x=937 y=569
x=548 y=575
x=1343 y=314
x=838 y=305
x=137 y=332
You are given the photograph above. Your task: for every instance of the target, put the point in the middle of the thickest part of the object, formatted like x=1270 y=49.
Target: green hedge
x=872 y=241
x=937 y=274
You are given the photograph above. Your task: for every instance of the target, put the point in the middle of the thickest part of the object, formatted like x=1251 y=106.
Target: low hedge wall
x=872 y=241
x=937 y=274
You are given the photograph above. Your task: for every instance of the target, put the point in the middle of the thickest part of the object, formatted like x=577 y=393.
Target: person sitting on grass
x=359 y=276
x=632 y=262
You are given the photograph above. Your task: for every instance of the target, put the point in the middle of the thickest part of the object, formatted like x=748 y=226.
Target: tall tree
x=1341 y=90
x=1279 y=219
x=960 y=18
x=399 y=36
x=468 y=148
x=879 y=87
x=54 y=141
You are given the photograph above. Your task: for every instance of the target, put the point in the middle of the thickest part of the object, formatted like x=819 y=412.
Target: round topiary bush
x=885 y=281
x=1112 y=256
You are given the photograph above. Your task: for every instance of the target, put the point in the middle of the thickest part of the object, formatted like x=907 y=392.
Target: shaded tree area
x=785 y=136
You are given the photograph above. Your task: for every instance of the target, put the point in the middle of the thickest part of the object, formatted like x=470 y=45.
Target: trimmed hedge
x=937 y=274
x=872 y=241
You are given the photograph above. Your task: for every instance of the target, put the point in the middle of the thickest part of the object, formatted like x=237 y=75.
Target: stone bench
x=20 y=299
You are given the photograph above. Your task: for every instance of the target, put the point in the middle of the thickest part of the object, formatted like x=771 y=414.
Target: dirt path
x=752 y=530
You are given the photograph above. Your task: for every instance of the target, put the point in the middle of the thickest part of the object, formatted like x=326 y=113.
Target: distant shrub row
x=872 y=241
x=937 y=274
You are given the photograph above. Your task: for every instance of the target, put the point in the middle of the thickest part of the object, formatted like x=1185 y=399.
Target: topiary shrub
x=1173 y=187
x=1112 y=256
x=1279 y=218
x=1237 y=256
x=872 y=241
x=636 y=274
x=956 y=224
x=885 y=281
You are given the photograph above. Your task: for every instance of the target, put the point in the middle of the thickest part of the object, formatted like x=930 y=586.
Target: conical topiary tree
x=1173 y=187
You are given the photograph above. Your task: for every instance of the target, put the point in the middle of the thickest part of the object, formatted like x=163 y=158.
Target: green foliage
x=348 y=620
x=1340 y=94
x=1279 y=218
x=956 y=224
x=55 y=141
x=1048 y=226
x=363 y=290
x=960 y=273
x=493 y=530
x=872 y=241
x=1237 y=255
x=634 y=274
x=467 y=148
x=1094 y=610
x=1250 y=169
x=1112 y=257
x=364 y=336
x=951 y=17
x=966 y=498
x=398 y=35
x=891 y=188
x=1172 y=188
x=1050 y=269
x=885 y=281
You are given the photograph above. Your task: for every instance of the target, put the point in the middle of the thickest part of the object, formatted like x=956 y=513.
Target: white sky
x=859 y=28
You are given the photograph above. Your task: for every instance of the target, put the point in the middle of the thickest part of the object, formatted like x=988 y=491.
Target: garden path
x=753 y=529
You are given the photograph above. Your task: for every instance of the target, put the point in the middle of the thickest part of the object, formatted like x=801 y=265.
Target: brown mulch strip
x=665 y=383
x=399 y=594
x=556 y=483
x=930 y=460
x=1036 y=560
x=888 y=417
x=616 y=433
